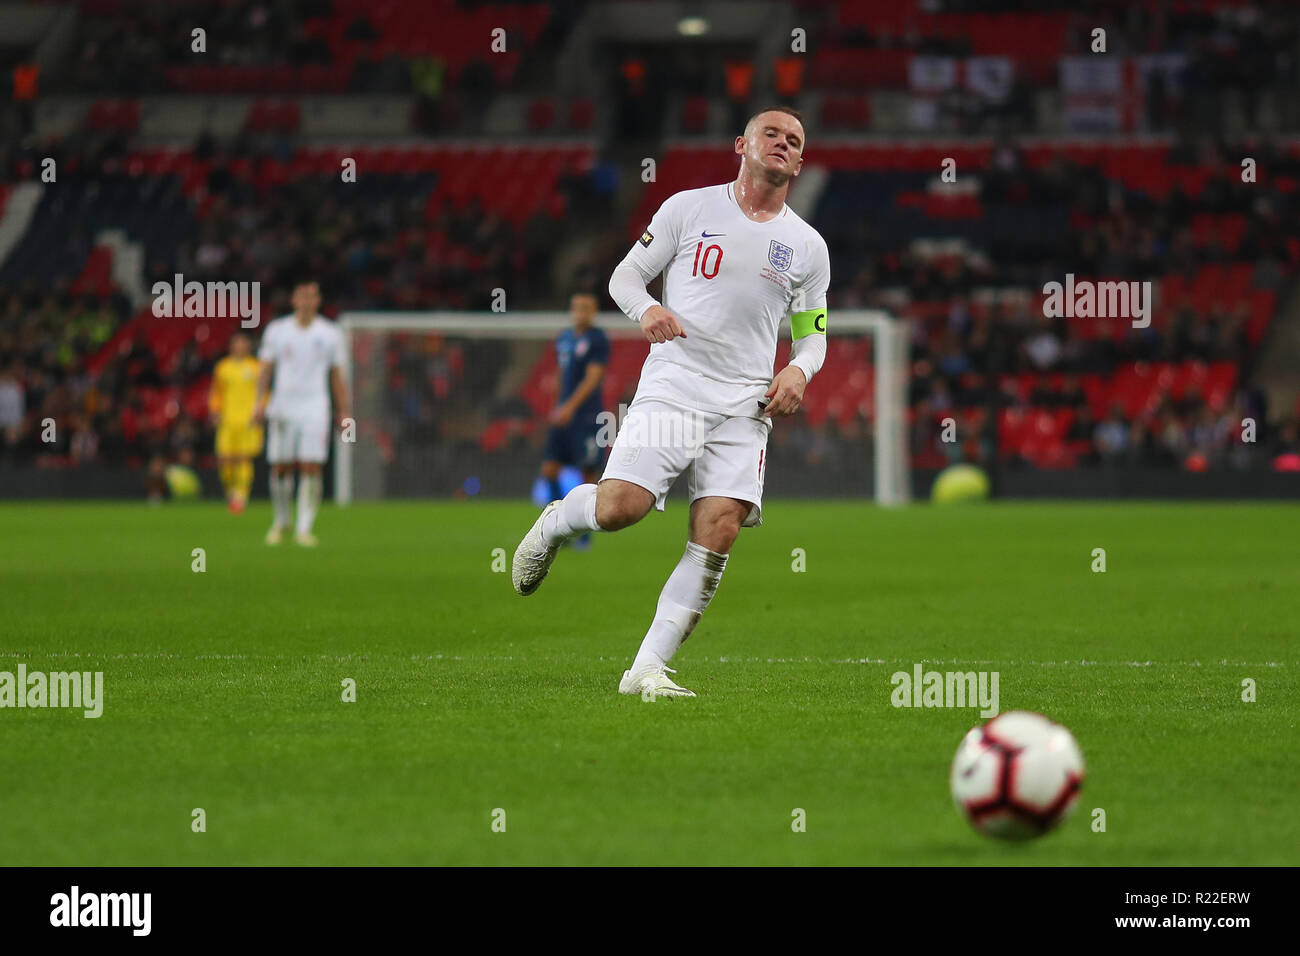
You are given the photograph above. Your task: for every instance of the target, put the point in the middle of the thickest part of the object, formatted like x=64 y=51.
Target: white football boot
x=652 y=684
x=275 y=535
x=533 y=558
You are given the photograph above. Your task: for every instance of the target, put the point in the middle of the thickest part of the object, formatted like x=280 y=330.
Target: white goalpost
x=889 y=350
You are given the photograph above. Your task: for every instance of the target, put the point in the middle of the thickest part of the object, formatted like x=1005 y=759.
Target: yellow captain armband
x=808 y=322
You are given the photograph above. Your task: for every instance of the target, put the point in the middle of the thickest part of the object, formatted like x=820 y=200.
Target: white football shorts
x=302 y=437
x=722 y=455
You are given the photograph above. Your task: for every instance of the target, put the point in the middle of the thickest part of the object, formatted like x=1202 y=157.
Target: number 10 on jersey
x=701 y=266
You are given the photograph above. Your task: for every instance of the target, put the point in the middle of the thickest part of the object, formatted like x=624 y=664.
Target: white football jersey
x=731 y=281
x=303 y=358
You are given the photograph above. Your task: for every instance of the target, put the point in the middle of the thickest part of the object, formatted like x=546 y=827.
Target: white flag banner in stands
x=929 y=78
x=990 y=77
x=1100 y=94
x=932 y=74
x=1169 y=66
x=952 y=82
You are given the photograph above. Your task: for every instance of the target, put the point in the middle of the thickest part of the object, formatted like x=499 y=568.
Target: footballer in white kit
x=302 y=358
x=736 y=261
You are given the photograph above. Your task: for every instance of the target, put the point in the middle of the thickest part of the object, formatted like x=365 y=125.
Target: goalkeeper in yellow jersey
x=232 y=402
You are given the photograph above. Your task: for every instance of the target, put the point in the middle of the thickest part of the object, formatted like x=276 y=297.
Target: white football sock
x=576 y=515
x=282 y=498
x=308 y=501
x=682 y=602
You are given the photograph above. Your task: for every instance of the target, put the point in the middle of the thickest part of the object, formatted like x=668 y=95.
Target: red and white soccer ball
x=1017 y=776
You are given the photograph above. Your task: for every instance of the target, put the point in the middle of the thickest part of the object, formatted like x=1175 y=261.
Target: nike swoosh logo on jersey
x=711 y=235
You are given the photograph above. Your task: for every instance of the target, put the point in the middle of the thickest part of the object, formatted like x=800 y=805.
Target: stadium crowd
x=400 y=241
x=398 y=248
x=54 y=411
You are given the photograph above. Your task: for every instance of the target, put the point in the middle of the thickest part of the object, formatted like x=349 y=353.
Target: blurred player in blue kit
x=582 y=354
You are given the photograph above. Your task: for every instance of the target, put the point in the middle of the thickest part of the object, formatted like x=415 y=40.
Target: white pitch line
x=871 y=660
x=962 y=663
x=27 y=655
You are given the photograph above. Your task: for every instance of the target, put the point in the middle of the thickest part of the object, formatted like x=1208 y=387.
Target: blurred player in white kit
x=303 y=354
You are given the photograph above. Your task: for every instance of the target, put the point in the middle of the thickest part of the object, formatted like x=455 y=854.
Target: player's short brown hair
x=788 y=110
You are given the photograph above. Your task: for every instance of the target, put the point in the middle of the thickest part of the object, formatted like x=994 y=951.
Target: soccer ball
x=1017 y=776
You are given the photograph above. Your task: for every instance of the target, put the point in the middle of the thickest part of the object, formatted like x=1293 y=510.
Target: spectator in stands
x=25 y=81
x=84 y=445
x=427 y=80
x=1079 y=436
x=1170 y=435
x=188 y=366
x=1142 y=443
x=1208 y=435
x=476 y=85
x=156 y=481
x=923 y=434
x=953 y=360
x=740 y=90
x=360 y=30
x=787 y=77
x=1043 y=348
x=1111 y=436
x=1072 y=394
x=940 y=398
x=1286 y=449
x=980 y=442
x=143 y=365
x=184 y=437
x=12 y=407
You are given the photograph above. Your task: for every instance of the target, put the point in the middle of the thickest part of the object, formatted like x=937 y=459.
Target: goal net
x=455 y=404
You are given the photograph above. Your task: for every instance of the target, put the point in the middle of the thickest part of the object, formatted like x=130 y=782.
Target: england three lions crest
x=780 y=256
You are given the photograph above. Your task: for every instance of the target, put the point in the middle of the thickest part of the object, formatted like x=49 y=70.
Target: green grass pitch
x=223 y=688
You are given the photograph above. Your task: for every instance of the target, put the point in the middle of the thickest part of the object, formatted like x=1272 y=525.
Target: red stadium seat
x=695 y=114
x=279 y=115
x=541 y=114
x=582 y=114
x=122 y=116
